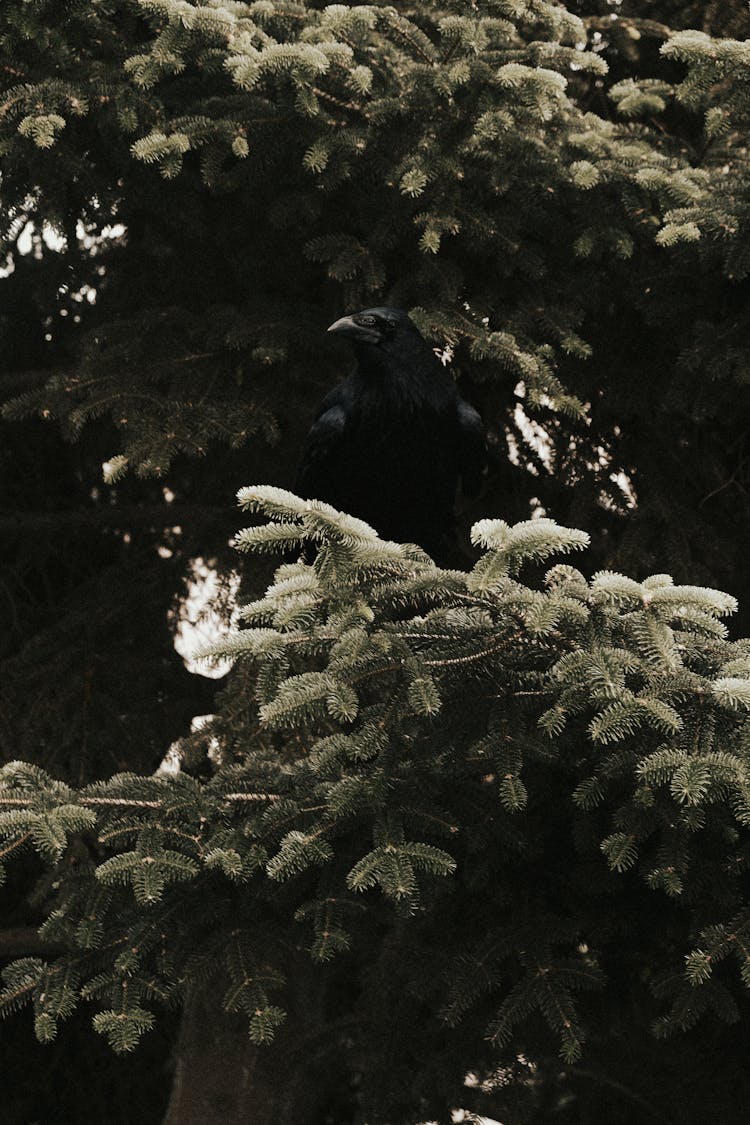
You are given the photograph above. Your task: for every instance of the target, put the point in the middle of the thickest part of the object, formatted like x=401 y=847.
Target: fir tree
x=393 y=851
x=407 y=854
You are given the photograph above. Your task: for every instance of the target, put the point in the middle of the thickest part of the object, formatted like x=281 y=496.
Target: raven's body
x=391 y=442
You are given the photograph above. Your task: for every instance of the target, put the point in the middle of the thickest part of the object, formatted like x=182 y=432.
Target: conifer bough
x=560 y=201
x=462 y=753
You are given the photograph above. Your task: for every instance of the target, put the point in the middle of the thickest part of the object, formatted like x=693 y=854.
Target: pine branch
x=134 y=803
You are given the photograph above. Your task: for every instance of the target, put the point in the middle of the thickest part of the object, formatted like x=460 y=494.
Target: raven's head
x=379 y=327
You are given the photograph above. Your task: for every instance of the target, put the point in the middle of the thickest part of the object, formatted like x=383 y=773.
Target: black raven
x=391 y=441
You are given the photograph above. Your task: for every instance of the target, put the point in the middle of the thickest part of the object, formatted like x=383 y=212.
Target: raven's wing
x=472 y=448
x=319 y=466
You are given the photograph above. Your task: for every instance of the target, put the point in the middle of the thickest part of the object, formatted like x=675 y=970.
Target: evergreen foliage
x=481 y=168
x=430 y=742
x=475 y=823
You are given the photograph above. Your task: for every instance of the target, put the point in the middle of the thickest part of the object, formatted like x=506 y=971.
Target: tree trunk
x=222 y=1078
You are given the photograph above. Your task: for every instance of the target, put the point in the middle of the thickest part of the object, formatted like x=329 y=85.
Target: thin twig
x=18 y=843
x=251 y=797
x=132 y=802
x=336 y=101
x=474 y=655
x=125 y=801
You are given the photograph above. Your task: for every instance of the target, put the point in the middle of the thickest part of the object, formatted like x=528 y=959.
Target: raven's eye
x=366 y=321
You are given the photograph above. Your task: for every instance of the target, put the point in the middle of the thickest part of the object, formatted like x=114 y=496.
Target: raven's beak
x=346 y=326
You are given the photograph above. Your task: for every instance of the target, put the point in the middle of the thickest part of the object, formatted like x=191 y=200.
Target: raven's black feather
x=390 y=443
